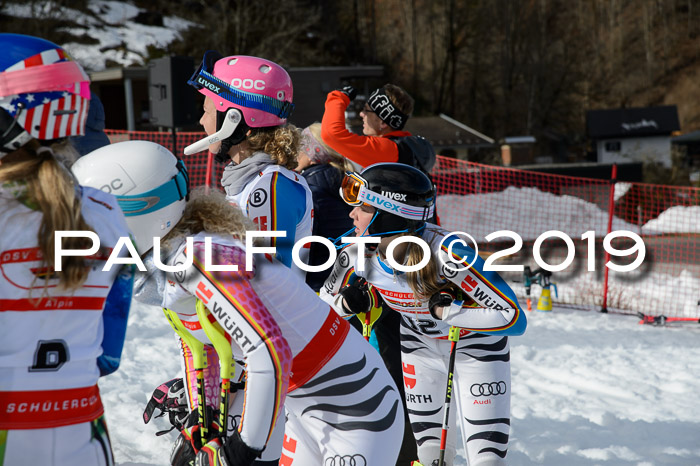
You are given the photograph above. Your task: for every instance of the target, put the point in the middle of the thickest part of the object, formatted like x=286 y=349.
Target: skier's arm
x=236 y=306
x=343 y=273
x=492 y=308
x=278 y=204
x=114 y=317
x=363 y=150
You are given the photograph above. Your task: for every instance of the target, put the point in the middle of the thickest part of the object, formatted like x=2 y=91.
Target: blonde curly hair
x=280 y=142
x=209 y=212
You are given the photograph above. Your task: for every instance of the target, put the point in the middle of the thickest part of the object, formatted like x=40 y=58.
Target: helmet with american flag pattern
x=44 y=94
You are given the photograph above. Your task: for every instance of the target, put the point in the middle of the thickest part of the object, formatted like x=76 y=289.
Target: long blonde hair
x=280 y=142
x=424 y=282
x=50 y=189
x=211 y=213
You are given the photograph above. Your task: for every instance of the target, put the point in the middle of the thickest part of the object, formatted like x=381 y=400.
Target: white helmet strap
x=231 y=122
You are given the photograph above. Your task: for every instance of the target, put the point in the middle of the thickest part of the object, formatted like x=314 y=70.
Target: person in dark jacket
x=95 y=136
x=323 y=168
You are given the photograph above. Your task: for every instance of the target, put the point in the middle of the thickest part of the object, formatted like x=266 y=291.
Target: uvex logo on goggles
x=209 y=85
x=376 y=200
x=398 y=208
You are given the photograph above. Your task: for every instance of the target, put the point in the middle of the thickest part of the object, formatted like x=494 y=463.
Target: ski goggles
x=174 y=190
x=63 y=76
x=204 y=78
x=355 y=192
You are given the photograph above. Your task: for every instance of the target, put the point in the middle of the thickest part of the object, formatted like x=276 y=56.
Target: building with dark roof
x=633 y=134
x=449 y=136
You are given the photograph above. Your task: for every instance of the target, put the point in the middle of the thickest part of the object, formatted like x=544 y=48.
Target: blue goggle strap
x=171 y=191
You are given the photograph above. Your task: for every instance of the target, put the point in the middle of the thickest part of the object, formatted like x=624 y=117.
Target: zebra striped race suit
x=482 y=367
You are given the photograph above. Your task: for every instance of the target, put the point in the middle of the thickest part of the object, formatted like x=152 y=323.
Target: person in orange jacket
x=383 y=118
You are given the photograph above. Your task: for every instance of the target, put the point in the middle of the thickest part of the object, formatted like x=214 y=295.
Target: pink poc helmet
x=248 y=92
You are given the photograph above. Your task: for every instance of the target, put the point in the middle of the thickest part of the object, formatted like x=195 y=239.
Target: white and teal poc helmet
x=149 y=182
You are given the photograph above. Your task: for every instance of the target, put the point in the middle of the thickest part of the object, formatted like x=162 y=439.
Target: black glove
x=443 y=298
x=188 y=444
x=349 y=91
x=183 y=453
x=356 y=297
x=211 y=454
x=236 y=452
x=169 y=397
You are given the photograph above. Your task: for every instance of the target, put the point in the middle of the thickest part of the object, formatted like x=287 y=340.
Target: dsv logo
x=346 y=460
x=488 y=389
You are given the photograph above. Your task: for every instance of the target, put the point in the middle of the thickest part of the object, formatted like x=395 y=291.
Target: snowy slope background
x=111 y=25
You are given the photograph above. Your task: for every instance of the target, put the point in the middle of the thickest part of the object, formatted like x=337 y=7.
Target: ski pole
x=454 y=338
x=367 y=325
x=369 y=318
x=661 y=320
x=222 y=344
x=527 y=282
x=200 y=362
x=207 y=180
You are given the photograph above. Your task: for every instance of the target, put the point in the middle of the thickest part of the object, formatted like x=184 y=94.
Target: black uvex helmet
x=403 y=196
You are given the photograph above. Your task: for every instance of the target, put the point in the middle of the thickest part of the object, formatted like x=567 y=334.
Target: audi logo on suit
x=347 y=460
x=489 y=388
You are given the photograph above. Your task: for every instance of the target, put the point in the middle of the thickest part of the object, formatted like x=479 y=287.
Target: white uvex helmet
x=149 y=182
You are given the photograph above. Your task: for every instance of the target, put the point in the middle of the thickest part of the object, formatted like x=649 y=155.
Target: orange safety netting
x=543 y=211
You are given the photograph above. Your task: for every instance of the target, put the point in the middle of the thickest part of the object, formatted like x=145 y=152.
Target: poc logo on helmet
x=394 y=196
x=257 y=84
x=113 y=185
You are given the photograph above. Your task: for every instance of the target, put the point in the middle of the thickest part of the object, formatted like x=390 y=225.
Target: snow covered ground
x=588 y=388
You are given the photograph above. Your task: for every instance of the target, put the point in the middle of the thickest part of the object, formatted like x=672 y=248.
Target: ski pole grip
x=454 y=334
